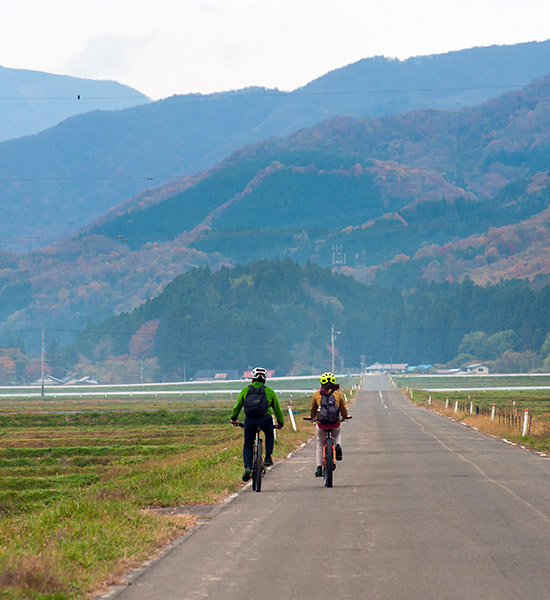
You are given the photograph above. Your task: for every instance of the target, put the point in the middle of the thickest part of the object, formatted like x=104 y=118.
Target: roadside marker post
x=525 y=422
x=493 y=412
x=293 y=422
x=291 y=412
x=456 y=405
x=447 y=402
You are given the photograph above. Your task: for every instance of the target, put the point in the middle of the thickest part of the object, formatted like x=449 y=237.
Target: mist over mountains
x=58 y=180
x=34 y=100
x=398 y=199
x=416 y=197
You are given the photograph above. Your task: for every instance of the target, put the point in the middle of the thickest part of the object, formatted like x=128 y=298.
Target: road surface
x=421 y=508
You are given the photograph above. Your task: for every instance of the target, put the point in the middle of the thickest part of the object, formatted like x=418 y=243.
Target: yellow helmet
x=327 y=378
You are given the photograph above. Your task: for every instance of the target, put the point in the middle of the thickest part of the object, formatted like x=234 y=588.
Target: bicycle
x=258 y=468
x=329 y=455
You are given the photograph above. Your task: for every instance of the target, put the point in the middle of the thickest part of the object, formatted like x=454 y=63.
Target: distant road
x=422 y=508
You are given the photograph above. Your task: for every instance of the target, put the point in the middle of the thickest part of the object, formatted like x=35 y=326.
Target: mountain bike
x=258 y=468
x=329 y=455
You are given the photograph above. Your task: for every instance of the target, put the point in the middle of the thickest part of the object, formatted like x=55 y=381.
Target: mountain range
x=33 y=100
x=58 y=180
x=434 y=195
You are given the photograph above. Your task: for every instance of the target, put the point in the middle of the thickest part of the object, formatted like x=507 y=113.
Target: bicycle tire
x=329 y=463
x=258 y=472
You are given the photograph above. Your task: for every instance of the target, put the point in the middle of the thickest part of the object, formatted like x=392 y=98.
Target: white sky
x=164 y=47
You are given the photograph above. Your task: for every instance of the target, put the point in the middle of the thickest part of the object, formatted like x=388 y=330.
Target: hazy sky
x=163 y=47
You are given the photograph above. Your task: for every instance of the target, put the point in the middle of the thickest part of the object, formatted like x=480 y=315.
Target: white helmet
x=259 y=373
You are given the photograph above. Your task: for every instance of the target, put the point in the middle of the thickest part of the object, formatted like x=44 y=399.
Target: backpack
x=255 y=404
x=328 y=410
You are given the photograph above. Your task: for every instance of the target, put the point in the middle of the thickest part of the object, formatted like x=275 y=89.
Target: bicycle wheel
x=329 y=463
x=258 y=471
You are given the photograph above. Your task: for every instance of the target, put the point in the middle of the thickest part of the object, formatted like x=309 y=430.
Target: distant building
x=473 y=369
x=87 y=380
x=48 y=380
x=449 y=372
x=51 y=380
x=386 y=368
x=418 y=368
x=216 y=375
x=476 y=368
x=248 y=374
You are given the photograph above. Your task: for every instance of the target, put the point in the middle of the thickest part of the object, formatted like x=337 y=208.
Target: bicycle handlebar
x=239 y=424
x=342 y=419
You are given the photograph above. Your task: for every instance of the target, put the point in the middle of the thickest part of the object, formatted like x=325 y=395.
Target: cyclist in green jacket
x=260 y=403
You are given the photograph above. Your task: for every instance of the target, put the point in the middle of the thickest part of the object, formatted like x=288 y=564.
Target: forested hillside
x=424 y=196
x=280 y=314
x=59 y=180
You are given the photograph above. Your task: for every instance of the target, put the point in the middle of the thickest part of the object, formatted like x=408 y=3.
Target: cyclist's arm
x=342 y=405
x=277 y=410
x=238 y=405
x=314 y=405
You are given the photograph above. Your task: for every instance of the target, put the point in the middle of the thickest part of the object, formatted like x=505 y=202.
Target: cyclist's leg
x=248 y=446
x=336 y=436
x=321 y=440
x=266 y=425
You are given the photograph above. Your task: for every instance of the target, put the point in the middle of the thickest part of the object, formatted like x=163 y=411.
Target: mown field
x=164 y=395
x=80 y=485
x=470 y=381
x=474 y=407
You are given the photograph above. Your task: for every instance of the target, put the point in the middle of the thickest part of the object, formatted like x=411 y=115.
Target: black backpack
x=328 y=410
x=255 y=404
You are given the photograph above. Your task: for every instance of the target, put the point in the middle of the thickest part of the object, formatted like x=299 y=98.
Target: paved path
x=422 y=508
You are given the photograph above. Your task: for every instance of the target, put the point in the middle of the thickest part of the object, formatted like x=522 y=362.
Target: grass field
x=510 y=405
x=80 y=482
x=471 y=381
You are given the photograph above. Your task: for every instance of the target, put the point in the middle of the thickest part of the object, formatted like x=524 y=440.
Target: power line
x=284 y=94
x=98 y=178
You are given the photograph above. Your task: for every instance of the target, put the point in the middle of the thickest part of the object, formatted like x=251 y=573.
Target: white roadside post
x=456 y=405
x=292 y=421
x=525 y=422
x=471 y=408
x=447 y=402
x=291 y=412
x=430 y=400
x=493 y=412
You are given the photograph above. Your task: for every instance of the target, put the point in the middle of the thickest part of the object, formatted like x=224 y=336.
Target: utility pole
x=332 y=346
x=42 y=393
x=332 y=336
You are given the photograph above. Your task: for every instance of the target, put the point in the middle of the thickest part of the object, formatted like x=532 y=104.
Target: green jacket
x=272 y=401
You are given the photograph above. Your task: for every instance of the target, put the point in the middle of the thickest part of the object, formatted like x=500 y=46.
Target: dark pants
x=250 y=426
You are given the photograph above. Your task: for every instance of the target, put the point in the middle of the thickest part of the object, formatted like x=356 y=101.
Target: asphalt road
x=421 y=508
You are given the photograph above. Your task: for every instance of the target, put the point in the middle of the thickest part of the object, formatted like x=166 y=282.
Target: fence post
x=493 y=412
x=525 y=422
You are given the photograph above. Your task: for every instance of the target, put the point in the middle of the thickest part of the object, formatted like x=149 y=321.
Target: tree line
x=279 y=314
